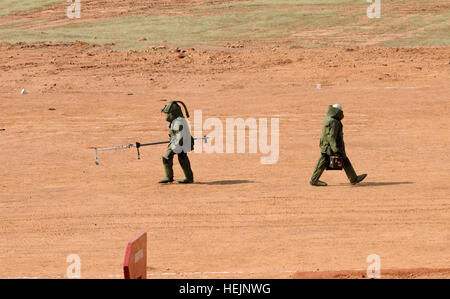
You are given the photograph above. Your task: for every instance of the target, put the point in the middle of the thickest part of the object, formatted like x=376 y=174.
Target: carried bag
x=335 y=163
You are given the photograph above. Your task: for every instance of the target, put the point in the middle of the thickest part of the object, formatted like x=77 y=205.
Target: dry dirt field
x=241 y=219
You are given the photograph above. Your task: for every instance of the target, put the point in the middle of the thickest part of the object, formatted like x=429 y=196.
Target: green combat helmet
x=173 y=110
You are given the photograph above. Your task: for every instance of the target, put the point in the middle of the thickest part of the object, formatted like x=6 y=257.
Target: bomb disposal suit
x=331 y=145
x=181 y=142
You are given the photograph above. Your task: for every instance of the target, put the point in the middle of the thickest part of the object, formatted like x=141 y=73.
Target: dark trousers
x=323 y=162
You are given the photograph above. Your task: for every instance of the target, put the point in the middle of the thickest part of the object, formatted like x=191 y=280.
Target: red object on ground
x=135 y=264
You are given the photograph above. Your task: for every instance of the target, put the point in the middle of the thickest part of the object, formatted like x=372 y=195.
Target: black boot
x=318 y=183
x=359 y=178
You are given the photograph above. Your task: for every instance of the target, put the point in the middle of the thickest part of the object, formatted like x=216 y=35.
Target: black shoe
x=318 y=183
x=359 y=178
x=185 y=181
x=165 y=181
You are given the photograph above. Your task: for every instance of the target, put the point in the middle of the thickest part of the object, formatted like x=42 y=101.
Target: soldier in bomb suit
x=332 y=144
x=181 y=142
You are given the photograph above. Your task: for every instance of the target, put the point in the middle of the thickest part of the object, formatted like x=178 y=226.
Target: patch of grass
x=418 y=27
x=19 y=24
x=409 y=23
x=183 y=30
x=434 y=35
x=310 y=22
x=8 y=7
x=282 y=3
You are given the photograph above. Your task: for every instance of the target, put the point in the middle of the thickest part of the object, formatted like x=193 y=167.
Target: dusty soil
x=240 y=218
x=386 y=274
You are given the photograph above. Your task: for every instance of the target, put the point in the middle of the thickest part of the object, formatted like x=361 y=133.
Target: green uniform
x=332 y=143
x=177 y=124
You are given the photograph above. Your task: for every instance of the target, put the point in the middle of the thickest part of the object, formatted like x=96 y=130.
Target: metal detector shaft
x=137 y=146
x=205 y=138
x=114 y=148
x=154 y=143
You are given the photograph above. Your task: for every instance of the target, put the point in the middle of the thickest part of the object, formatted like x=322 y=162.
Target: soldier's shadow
x=226 y=182
x=375 y=184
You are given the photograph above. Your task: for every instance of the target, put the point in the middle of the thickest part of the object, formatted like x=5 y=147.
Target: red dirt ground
x=241 y=217
x=386 y=274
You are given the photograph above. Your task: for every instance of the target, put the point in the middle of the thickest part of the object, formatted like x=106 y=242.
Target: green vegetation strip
x=8 y=7
x=303 y=21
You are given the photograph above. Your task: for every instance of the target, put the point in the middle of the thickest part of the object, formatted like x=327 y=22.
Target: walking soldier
x=332 y=149
x=181 y=142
